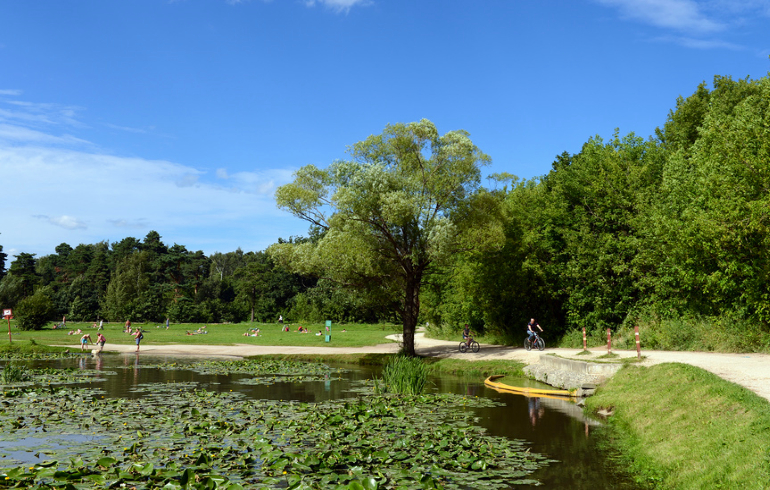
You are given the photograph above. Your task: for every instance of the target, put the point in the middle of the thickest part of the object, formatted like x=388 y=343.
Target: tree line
x=149 y=281
x=627 y=230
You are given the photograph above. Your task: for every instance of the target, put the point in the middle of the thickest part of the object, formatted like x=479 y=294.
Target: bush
x=34 y=311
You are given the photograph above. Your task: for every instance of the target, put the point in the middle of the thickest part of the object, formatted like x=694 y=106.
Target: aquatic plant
x=405 y=375
x=13 y=374
x=188 y=438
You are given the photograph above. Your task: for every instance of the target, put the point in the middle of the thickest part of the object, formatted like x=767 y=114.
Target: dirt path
x=749 y=370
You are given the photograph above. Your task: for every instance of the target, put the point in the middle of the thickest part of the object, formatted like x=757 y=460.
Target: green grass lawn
x=681 y=427
x=354 y=335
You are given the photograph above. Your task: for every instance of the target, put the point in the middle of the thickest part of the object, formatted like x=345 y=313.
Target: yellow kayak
x=490 y=381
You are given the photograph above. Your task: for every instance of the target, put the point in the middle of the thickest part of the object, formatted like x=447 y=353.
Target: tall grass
x=405 y=375
x=724 y=333
x=13 y=374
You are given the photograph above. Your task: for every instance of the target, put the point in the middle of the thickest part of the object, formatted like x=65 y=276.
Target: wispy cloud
x=262 y=183
x=682 y=15
x=53 y=195
x=20 y=134
x=695 y=23
x=137 y=224
x=59 y=187
x=66 y=222
x=694 y=43
x=338 y=5
x=128 y=129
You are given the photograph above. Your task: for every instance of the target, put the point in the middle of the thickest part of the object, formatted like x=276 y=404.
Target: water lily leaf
x=98 y=479
x=106 y=462
x=370 y=484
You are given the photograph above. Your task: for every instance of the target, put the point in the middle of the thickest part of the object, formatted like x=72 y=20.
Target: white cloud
x=700 y=43
x=61 y=188
x=66 y=222
x=13 y=92
x=127 y=129
x=55 y=195
x=19 y=134
x=263 y=183
x=338 y=5
x=682 y=15
x=121 y=223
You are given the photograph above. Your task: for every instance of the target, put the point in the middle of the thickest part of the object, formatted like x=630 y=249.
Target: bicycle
x=538 y=343
x=472 y=345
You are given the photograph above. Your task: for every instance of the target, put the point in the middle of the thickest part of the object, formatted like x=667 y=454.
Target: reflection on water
x=31 y=450
x=554 y=427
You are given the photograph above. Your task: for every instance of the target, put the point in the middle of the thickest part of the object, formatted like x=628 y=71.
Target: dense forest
x=671 y=228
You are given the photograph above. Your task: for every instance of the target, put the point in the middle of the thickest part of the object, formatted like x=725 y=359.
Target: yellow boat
x=504 y=388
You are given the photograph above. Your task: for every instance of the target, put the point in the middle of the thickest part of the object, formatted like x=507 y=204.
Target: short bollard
x=584 y=339
x=609 y=342
x=638 y=348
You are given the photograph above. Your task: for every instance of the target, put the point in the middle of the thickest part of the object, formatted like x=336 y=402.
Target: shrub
x=34 y=311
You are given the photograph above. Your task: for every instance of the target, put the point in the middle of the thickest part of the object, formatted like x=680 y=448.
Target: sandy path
x=749 y=370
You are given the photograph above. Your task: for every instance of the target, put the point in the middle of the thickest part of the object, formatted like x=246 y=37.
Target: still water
x=553 y=427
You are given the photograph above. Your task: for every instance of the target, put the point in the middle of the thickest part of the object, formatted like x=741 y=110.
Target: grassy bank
x=456 y=367
x=680 y=427
x=350 y=335
x=26 y=347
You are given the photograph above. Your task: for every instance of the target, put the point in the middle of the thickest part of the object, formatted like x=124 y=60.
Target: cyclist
x=531 y=328
x=467 y=335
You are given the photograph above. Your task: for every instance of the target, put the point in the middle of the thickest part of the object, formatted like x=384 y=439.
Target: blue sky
x=121 y=117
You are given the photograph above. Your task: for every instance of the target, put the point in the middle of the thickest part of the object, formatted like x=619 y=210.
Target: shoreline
x=752 y=371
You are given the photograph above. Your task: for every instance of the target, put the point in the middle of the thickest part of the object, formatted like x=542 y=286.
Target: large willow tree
x=405 y=201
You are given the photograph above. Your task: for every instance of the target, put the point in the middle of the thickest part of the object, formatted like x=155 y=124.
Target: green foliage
x=405 y=375
x=675 y=229
x=12 y=373
x=34 y=311
x=178 y=437
x=388 y=216
x=712 y=247
x=11 y=290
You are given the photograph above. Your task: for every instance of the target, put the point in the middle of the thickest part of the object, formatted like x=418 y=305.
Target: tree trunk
x=411 y=312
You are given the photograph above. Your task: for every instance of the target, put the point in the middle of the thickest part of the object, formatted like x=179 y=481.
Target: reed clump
x=13 y=374
x=405 y=375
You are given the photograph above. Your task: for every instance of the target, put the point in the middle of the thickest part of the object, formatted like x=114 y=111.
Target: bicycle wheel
x=463 y=347
x=540 y=344
x=527 y=344
x=475 y=346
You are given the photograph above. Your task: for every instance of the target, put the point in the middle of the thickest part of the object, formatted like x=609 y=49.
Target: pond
x=553 y=428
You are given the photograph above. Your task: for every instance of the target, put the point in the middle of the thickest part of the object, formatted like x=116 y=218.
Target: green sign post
x=328 y=330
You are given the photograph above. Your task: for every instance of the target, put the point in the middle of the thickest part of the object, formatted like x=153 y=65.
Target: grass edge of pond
x=722 y=430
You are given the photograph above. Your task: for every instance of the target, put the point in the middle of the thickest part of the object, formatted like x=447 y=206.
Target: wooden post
x=8 y=314
x=638 y=348
x=584 y=339
x=609 y=342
